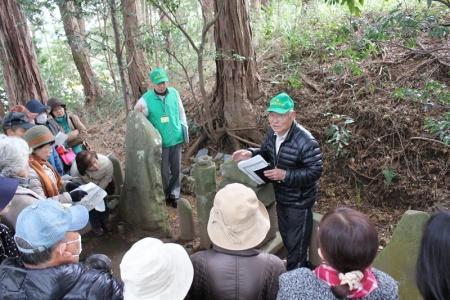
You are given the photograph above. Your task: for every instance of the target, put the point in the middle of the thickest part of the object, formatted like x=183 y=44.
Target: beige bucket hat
x=157 y=271
x=238 y=220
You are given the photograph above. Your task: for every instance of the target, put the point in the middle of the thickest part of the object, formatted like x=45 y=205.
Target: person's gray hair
x=14 y=153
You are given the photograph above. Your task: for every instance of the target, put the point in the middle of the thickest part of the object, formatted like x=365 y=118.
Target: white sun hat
x=154 y=270
x=238 y=220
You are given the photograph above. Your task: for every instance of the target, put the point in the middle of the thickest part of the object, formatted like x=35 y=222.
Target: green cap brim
x=279 y=110
x=161 y=80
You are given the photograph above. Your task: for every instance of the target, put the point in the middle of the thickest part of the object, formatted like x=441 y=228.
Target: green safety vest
x=171 y=132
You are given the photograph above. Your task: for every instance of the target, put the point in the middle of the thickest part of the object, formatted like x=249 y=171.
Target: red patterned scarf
x=362 y=288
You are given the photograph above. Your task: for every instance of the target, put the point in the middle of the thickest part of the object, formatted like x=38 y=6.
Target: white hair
x=14 y=153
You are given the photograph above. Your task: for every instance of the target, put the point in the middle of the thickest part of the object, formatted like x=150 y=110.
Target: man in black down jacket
x=49 y=247
x=295 y=157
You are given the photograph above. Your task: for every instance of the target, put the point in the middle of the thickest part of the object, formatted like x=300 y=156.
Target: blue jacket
x=56 y=162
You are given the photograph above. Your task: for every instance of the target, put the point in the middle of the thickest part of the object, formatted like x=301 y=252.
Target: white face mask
x=77 y=241
x=41 y=118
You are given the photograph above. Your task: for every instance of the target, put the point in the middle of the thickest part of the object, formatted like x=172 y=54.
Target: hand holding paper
x=275 y=174
x=254 y=168
x=94 y=197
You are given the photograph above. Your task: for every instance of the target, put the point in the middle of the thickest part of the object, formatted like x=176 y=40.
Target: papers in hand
x=254 y=168
x=60 y=138
x=94 y=198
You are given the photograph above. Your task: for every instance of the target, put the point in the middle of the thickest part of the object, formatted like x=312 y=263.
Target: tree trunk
x=165 y=30
x=77 y=43
x=21 y=72
x=236 y=76
x=208 y=14
x=137 y=61
x=157 y=60
x=102 y=21
x=81 y=25
x=265 y=3
x=119 y=56
x=256 y=6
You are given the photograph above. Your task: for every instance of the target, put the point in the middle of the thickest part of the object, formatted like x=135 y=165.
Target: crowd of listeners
x=41 y=244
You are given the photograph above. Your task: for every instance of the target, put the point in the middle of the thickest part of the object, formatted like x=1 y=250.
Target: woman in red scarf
x=348 y=244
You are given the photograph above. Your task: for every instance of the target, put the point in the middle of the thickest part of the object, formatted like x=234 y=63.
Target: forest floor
x=379 y=157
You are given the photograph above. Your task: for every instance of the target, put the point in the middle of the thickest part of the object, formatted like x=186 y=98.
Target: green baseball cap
x=281 y=104
x=158 y=76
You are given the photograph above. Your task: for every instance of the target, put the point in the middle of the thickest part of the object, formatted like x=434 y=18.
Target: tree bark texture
x=21 y=72
x=236 y=76
x=256 y=5
x=165 y=30
x=77 y=43
x=208 y=14
x=119 y=55
x=138 y=67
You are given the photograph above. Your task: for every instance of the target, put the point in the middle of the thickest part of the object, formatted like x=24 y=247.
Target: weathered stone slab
x=398 y=258
x=219 y=156
x=204 y=173
x=231 y=174
x=184 y=211
x=275 y=245
x=201 y=152
x=187 y=184
x=142 y=200
x=227 y=157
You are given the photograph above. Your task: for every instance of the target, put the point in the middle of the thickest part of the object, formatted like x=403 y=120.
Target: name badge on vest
x=164 y=119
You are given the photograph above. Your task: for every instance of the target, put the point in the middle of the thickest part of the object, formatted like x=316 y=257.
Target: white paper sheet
x=60 y=138
x=94 y=198
x=249 y=166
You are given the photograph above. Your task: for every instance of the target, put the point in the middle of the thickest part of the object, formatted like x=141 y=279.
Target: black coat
x=300 y=156
x=69 y=281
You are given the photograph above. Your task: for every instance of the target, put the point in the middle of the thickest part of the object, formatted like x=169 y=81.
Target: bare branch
x=176 y=24
x=242 y=139
x=429 y=140
x=185 y=72
x=445 y=2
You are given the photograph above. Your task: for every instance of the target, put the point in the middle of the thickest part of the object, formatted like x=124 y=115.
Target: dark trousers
x=170 y=171
x=295 y=227
x=100 y=218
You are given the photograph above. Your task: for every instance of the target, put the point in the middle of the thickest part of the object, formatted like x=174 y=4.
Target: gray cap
x=16 y=119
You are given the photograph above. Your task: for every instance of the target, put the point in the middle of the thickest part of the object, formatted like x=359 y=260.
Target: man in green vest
x=163 y=108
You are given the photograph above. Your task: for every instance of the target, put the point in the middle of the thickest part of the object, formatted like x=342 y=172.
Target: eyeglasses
x=275 y=116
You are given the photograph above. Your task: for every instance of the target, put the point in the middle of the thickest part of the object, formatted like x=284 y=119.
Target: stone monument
x=142 y=201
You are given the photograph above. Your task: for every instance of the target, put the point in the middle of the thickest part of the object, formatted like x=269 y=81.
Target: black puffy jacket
x=300 y=156
x=69 y=281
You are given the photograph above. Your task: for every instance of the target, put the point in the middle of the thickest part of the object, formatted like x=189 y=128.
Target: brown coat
x=223 y=274
x=74 y=124
x=22 y=198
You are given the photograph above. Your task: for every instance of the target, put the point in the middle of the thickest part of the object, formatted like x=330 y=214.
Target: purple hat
x=8 y=187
